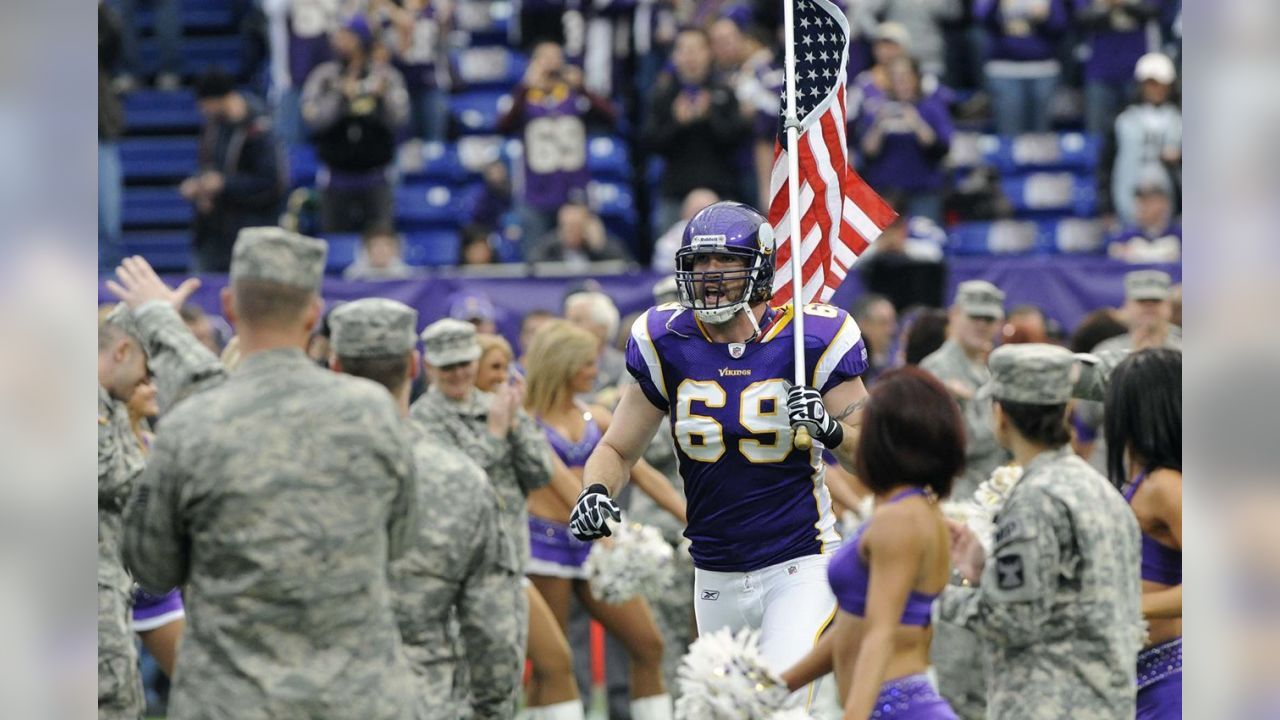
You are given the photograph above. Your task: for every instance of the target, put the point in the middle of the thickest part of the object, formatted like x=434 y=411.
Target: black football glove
x=805 y=409
x=590 y=513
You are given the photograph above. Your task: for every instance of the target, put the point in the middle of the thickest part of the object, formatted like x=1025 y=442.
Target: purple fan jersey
x=753 y=499
x=555 y=148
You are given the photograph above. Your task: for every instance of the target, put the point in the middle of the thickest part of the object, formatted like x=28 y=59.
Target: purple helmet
x=725 y=228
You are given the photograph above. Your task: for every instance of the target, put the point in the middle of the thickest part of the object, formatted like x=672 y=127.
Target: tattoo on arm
x=853 y=407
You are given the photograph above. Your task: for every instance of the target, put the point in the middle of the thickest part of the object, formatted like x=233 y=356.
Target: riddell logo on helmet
x=702 y=243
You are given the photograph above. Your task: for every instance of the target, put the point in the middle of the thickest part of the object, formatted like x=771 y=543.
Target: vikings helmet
x=725 y=228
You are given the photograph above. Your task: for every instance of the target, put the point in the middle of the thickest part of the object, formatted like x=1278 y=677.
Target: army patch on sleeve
x=1010 y=574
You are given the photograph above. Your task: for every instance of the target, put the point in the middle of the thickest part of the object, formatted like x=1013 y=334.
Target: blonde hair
x=559 y=350
x=489 y=342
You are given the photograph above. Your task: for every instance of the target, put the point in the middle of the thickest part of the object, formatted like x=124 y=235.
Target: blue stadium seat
x=487 y=23
x=167 y=251
x=439 y=164
x=197 y=15
x=158 y=158
x=608 y=159
x=1072 y=236
x=616 y=207
x=302 y=165
x=1002 y=237
x=199 y=53
x=155 y=208
x=489 y=67
x=1051 y=194
x=342 y=252
x=476 y=113
x=432 y=247
x=427 y=207
x=154 y=111
x=1076 y=152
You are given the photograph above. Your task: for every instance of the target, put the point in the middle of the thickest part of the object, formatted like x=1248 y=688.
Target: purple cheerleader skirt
x=1160 y=681
x=554 y=551
x=911 y=698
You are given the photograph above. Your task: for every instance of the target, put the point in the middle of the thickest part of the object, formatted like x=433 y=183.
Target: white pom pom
x=794 y=713
x=723 y=677
x=637 y=561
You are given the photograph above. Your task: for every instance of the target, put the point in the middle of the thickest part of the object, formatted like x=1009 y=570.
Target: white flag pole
x=792 y=125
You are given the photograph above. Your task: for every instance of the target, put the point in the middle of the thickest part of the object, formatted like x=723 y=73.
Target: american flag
x=841 y=214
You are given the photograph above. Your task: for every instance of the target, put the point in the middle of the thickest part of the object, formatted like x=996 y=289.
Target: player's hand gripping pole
x=802 y=440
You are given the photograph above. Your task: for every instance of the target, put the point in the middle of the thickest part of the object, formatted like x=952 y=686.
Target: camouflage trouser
x=959 y=661
x=119 y=681
x=673 y=614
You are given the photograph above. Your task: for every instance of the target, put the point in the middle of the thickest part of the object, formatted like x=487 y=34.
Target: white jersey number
x=761 y=412
x=555 y=144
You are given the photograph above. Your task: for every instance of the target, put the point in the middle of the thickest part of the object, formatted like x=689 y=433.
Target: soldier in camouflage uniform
x=961 y=365
x=125 y=340
x=459 y=565
x=277 y=500
x=1058 y=603
x=491 y=428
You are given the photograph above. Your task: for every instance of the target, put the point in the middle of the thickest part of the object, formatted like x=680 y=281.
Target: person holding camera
x=905 y=138
x=353 y=107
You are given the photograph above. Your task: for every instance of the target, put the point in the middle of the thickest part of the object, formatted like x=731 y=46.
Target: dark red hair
x=912 y=434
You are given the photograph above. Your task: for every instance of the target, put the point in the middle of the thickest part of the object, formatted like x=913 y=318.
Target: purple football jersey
x=754 y=500
x=555 y=148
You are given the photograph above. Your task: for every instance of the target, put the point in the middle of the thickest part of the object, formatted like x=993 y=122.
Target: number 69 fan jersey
x=753 y=499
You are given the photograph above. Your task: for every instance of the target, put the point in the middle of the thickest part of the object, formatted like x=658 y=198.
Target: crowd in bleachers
x=473 y=132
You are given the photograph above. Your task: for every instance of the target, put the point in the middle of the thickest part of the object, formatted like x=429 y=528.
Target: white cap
x=1155 y=66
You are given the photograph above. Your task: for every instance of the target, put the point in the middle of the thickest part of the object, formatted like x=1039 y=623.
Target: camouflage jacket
x=982 y=453
x=1059 y=605
x=278 y=500
x=516 y=464
x=458 y=567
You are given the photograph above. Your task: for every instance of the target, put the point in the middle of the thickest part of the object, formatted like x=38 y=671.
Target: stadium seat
x=155 y=208
x=157 y=111
x=199 y=53
x=432 y=247
x=303 y=164
x=1048 y=194
x=1072 y=235
x=489 y=67
x=608 y=159
x=616 y=207
x=166 y=250
x=427 y=207
x=1075 y=152
x=197 y=16
x=342 y=252
x=1002 y=237
x=151 y=159
x=476 y=113
x=455 y=163
x=486 y=23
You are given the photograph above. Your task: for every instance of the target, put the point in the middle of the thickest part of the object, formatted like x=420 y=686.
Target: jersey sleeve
x=843 y=355
x=644 y=365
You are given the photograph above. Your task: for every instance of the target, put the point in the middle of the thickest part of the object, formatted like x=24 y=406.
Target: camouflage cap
x=665 y=290
x=449 y=342
x=278 y=255
x=1147 y=285
x=1031 y=373
x=373 y=327
x=979 y=298
x=121 y=318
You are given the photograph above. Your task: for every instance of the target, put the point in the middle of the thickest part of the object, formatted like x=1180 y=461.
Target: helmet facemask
x=716 y=296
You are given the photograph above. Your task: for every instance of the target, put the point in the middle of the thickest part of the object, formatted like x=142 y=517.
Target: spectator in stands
x=579 y=238
x=871 y=87
x=1022 y=66
x=731 y=50
x=473 y=306
x=1118 y=34
x=1154 y=236
x=202 y=327
x=111 y=124
x=595 y=312
x=549 y=112
x=488 y=205
x=242 y=178
x=167 y=19
x=1146 y=140
x=353 y=107
x=906 y=263
x=925 y=329
x=418 y=31
x=664 y=250
x=728 y=48
x=922 y=20
x=695 y=125
x=906 y=141
x=878 y=321
x=299 y=31
x=380 y=257
x=1025 y=324
x=476 y=247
